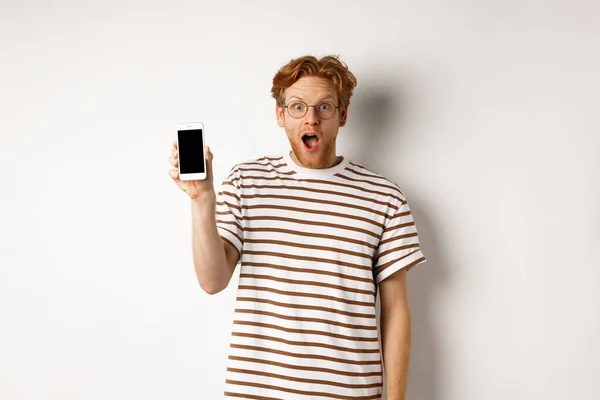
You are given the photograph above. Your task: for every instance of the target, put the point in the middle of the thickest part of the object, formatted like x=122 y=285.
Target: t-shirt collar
x=315 y=173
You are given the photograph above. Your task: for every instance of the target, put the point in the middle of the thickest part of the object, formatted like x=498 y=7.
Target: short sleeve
x=399 y=244
x=229 y=210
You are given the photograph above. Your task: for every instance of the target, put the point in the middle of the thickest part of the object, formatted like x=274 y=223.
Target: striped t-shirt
x=314 y=244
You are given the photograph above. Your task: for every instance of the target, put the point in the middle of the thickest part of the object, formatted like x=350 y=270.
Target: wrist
x=204 y=204
x=205 y=197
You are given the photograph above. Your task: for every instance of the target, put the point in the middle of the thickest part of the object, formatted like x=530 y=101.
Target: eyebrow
x=330 y=97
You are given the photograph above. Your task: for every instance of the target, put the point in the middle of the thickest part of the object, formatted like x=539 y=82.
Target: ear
x=343 y=115
x=279 y=113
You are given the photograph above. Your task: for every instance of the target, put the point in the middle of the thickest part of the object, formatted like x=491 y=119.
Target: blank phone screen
x=191 y=151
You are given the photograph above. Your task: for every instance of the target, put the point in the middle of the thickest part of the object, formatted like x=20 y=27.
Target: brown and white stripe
x=314 y=244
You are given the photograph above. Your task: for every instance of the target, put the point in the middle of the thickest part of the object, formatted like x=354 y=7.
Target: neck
x=330 y=162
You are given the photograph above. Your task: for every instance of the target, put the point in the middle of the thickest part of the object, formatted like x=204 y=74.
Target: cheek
x=331 y=128
x=289 y=131
x=291 y=127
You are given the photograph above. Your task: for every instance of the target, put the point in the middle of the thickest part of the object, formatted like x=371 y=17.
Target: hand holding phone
x=192 y=160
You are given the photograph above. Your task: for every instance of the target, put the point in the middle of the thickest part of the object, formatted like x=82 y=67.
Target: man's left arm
x=395 y=324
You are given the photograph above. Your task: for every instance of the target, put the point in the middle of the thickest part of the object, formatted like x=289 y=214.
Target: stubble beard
x=325 y=152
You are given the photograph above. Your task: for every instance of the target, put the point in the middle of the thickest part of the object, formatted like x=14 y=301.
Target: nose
x=311 y=117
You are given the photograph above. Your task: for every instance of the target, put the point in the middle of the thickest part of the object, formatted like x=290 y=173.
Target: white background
x=485 y=113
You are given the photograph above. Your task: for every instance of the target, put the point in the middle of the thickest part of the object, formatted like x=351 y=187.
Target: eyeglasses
x=298 y=109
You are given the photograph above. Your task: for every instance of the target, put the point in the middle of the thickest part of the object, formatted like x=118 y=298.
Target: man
x=317 y=236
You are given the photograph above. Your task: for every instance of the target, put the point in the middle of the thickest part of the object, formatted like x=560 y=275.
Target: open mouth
x=311 y=142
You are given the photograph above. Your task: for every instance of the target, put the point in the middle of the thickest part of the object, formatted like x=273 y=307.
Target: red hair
x=330 y=68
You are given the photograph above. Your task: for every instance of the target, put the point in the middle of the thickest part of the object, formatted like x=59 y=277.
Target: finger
x=209 y=159
x=173 y=161
x=183 y=185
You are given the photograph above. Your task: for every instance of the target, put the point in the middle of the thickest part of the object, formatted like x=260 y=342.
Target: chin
x=310 y=160
x=305 y=158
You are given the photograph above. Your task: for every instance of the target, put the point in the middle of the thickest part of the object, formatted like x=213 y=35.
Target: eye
x=324 y=106
x=296 y=106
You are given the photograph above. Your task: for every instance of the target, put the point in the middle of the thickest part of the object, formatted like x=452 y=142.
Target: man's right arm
x=214 y=258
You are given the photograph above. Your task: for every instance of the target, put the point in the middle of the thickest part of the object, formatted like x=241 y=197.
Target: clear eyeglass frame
x=306 y=107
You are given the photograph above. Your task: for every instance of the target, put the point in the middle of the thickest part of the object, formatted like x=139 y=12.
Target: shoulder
x=379 y=182
x=265 y=161
x=268 y=163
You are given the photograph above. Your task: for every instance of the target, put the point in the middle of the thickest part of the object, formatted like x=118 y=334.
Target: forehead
x=310 y=88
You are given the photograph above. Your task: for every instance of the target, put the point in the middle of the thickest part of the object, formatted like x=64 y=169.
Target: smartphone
x=190 y=143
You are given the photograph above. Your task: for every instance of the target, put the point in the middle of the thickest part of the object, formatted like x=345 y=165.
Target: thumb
x=209 y=159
